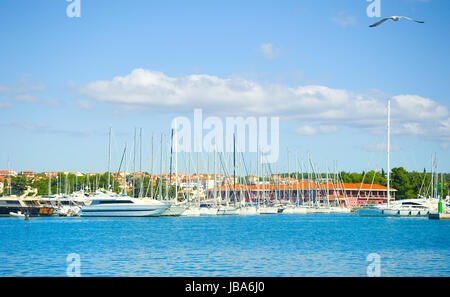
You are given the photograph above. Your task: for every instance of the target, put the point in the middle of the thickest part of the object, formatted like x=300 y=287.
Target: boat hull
x=228 y=211
x=174 y=211
x=392 y=212
x=268 y=210
x=192 y=212
x=208 y=211
x=129 y=211
x=295 y=210
x=248 y=211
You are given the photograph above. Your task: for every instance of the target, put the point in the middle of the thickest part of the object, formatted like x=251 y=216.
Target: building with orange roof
x=27 y=173
x=8 y=173
x=51 y=174
x=351 y=195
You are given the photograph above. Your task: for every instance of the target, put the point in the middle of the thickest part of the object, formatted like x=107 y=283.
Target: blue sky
x=314 y=64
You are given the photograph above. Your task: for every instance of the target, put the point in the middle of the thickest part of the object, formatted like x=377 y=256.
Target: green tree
x=19 y=184
x=401 y=181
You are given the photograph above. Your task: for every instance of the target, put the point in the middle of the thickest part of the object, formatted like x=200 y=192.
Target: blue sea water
x=266 y=245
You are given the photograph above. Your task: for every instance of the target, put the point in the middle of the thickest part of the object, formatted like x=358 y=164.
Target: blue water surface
x=265 y=245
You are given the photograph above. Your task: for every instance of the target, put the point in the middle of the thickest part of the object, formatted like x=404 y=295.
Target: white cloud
x=343 y=19
x=25 y=98
x=444 y=129
x=84 y=104
x=268 y=50
x=314 y=105
x=309 y=131
x=306 y=130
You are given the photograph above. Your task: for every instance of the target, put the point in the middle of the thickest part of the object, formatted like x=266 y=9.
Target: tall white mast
x=176 y=166
x=258 y=191
x=296 y=179
x=388 y=151
x=109 y=157
x=141 y=180
x=215 y=177
x=288 y=179
x=160 y=169
x=134 y=162
x=151 y=175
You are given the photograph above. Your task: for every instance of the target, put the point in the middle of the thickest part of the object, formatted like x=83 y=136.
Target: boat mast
x=170 y=164
x=296 y=178
x=288 y=179
x=109 y=157
x=258 y=191
x=166 y=188
x=388 y=151
x=160 y=170
x=303 y=191
x=176 y=170
x=141 y=180
x=151 y=174
x=49 y=184
x=328 y=190
x=215 y=177
x=234 y=169
x=134 y=162
x=125 y=171
x=198 y=181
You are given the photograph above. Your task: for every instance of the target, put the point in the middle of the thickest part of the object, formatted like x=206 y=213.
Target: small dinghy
x=18 y=214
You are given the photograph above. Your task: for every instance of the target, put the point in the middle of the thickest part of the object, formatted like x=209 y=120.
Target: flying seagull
x=394 y=18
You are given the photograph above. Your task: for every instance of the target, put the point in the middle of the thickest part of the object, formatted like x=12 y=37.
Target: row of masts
x=228 y=181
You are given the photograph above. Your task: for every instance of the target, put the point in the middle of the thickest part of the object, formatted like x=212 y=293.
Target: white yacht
x=123 y=206
x=406 y=207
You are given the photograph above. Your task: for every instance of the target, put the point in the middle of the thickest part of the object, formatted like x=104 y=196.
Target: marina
x=225 y=140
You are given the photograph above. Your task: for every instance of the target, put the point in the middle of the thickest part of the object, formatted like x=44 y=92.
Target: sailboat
x=175 y=208
x=400 y=208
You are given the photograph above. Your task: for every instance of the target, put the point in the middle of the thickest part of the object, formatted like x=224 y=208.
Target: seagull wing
x=379 y=22
x=403 y=17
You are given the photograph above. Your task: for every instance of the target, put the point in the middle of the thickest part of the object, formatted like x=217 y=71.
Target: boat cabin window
x=113 y=201
x=10 y=202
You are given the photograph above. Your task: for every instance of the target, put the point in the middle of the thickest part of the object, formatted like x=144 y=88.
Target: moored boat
x=123 y=207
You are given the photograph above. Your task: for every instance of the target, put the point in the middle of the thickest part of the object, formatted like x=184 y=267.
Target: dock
x=439 y=216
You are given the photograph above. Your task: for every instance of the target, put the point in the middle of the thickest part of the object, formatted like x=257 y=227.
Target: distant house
x=27 y=173
x=51 y=174
x=8 y=173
